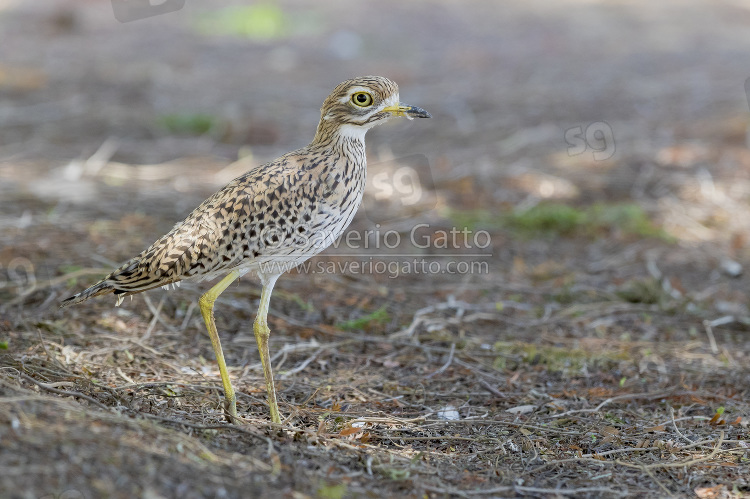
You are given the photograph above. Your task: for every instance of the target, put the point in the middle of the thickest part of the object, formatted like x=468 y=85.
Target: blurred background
x=600 y=146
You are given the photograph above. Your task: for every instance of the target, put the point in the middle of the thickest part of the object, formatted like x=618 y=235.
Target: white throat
x=354 y=132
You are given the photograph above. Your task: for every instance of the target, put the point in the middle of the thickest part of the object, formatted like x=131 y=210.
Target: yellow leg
x=262 y=332
x=206 y=303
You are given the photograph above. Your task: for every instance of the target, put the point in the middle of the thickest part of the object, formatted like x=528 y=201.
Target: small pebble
x=731 y=268
x=449 y=413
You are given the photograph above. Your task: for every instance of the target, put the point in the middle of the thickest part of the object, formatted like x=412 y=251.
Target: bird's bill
x=407 y=110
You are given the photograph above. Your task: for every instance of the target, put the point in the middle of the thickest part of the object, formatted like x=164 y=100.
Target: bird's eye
x=362 y=99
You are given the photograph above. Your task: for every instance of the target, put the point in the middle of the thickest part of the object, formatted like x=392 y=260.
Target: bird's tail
x=122 y=282
x=100 y=288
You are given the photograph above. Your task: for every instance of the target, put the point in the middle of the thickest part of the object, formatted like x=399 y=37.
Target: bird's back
x=270 y=219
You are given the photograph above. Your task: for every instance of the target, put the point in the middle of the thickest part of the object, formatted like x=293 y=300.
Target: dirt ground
x=586 y=334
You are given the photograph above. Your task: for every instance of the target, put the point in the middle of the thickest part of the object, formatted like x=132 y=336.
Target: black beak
x=416 y=112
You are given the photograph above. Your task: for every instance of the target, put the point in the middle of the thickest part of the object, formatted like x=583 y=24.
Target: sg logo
x=403 y=182
x=598 y=137
x=133 y=10
x=398 y=189
x=19 y=273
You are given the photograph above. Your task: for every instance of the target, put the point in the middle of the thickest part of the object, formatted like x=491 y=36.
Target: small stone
x=521 y=409
x=731 y=268
x=448 y=413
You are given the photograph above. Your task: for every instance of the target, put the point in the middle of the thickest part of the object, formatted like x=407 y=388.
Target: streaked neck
x=333 y=135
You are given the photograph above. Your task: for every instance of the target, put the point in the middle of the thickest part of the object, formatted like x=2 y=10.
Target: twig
x=126 y=339
x=46 y=352
x=291 y=349
x=101 y=157
x=353 y=338
x=239 y=428
x=447 y=362
x=387 y=420
x=620 y=451
x=64 y=392
x=658 y=482
x=494 y=391
x=677 y=448
x=124 y=376
x=450 y=303
x=444 y=490
x=188 y=315
x=439 y=438
x=476 y=370
x=679 y=464
x=521 y=489
x=566 y=492
x=613 y=399
x=711 y=339
x=674 y=423
x=303 y=365
x=156 y=313
x=589 y=458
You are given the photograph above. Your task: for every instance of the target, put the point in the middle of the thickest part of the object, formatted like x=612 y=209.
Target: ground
x=564 y=315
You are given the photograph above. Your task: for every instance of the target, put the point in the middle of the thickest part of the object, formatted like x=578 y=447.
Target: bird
x=268 y=220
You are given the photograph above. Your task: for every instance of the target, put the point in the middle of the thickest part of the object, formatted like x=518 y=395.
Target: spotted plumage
x=270 y=219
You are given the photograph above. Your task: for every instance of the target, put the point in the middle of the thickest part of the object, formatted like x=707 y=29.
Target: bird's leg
x=262 y=332
x=206 y=303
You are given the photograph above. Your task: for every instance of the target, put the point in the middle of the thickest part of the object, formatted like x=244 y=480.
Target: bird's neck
x=345 y=145
x=331 y=135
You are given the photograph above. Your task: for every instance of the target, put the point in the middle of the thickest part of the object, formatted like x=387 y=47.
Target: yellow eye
x=362 y=99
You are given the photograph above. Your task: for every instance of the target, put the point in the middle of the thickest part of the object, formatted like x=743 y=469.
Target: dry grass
x=465 y=399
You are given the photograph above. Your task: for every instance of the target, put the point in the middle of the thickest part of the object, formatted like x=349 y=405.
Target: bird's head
x=358 y=104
